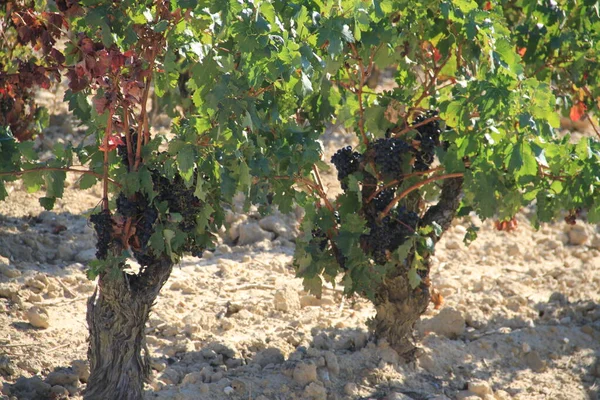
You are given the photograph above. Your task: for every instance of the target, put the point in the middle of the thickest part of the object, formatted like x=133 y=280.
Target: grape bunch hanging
x=391 y=158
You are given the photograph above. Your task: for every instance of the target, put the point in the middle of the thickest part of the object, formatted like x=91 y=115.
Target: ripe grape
x=103 y=226
x=390 y=154
x=384 y=198
x=346 y=162
x=387 y=235
x=429 y=137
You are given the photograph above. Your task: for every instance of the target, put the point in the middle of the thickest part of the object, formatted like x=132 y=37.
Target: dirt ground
x=521 y=317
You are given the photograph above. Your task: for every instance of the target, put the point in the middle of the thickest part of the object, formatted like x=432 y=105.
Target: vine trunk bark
x=116 y=315
x=398 y=305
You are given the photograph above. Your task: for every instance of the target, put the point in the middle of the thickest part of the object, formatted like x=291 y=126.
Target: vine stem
x=432 y=82
x=105 y=170
x=412 y=127
x=593 y=124
x=65 y=169
x=359 y=91
x=143 y=129
x=397 y=181
x=415 y=187
x=130 y=159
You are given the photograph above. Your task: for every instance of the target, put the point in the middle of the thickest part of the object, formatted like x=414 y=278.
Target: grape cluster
x=180 y=198
x=390 y=154
x=103 y=226
x=144 y=230
x=387 y=235
x=383 y=198
x=6 y=104
x=346 y=162
x=320 y=238
x=429 y=137
x=126 y=207
x=122 y=149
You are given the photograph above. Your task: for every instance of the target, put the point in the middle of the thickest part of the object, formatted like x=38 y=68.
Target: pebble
x=535 y=362
x=316 y=391
x=286 y=300
x=578 y=235
x=449 y=322
x=268 y=356
x=223 y=249
x=480 y=388
x=59 y=392
x=350 y=389
x=251 y=233
x=38 y=317
x=502 y=395
x=228 y=390
x=63 y=378
x=85 y=256
x=8 y=270
x=466 y=395
x=526 y=348
x=304 y=373
x=332 y=362
x=6 y=366
x=452 y=244
x=81 y=369
x=595 y=243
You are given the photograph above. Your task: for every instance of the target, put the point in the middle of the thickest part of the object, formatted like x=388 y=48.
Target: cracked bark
x=117 y=313
x=399 y=306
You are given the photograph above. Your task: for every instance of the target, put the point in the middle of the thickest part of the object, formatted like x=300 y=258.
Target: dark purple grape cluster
x=390 y=154
x=429 y=137
x=319 y=237
x=384 y=198
x=122 y=149
x=103 y=226
x=387 y=235
x=346 y=162
x=125 y=206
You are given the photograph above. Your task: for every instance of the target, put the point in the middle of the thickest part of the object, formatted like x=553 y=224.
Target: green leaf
x=522 y=160
x=3 y=192
x=306 y=85
x=186 y=160
x=33 y=181
x=199 y=192
x=55 y=183
x=47 y=202
x=87 y=181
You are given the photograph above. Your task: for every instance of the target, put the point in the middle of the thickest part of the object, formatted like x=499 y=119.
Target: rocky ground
x=520 y=320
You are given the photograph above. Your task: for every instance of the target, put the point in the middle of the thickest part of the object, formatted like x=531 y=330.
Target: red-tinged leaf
x=102 y=63
x=86 y=45
x=577 y=111
x=487 y=6
x=522 y=51
x=76 y=82
x=133 y=90
x=46 y=41
x=80 y=69
x=117 y=60
x=100 y=104
x=25 y=34
x=58 y=57
x=436 y=54
x=113 y=142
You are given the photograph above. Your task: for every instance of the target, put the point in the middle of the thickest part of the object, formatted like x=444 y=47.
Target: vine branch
x=65 y=169
x=415 y=187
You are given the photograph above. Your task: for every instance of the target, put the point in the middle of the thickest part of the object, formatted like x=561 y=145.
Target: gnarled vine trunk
x=399 y=306
x=117 y=314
